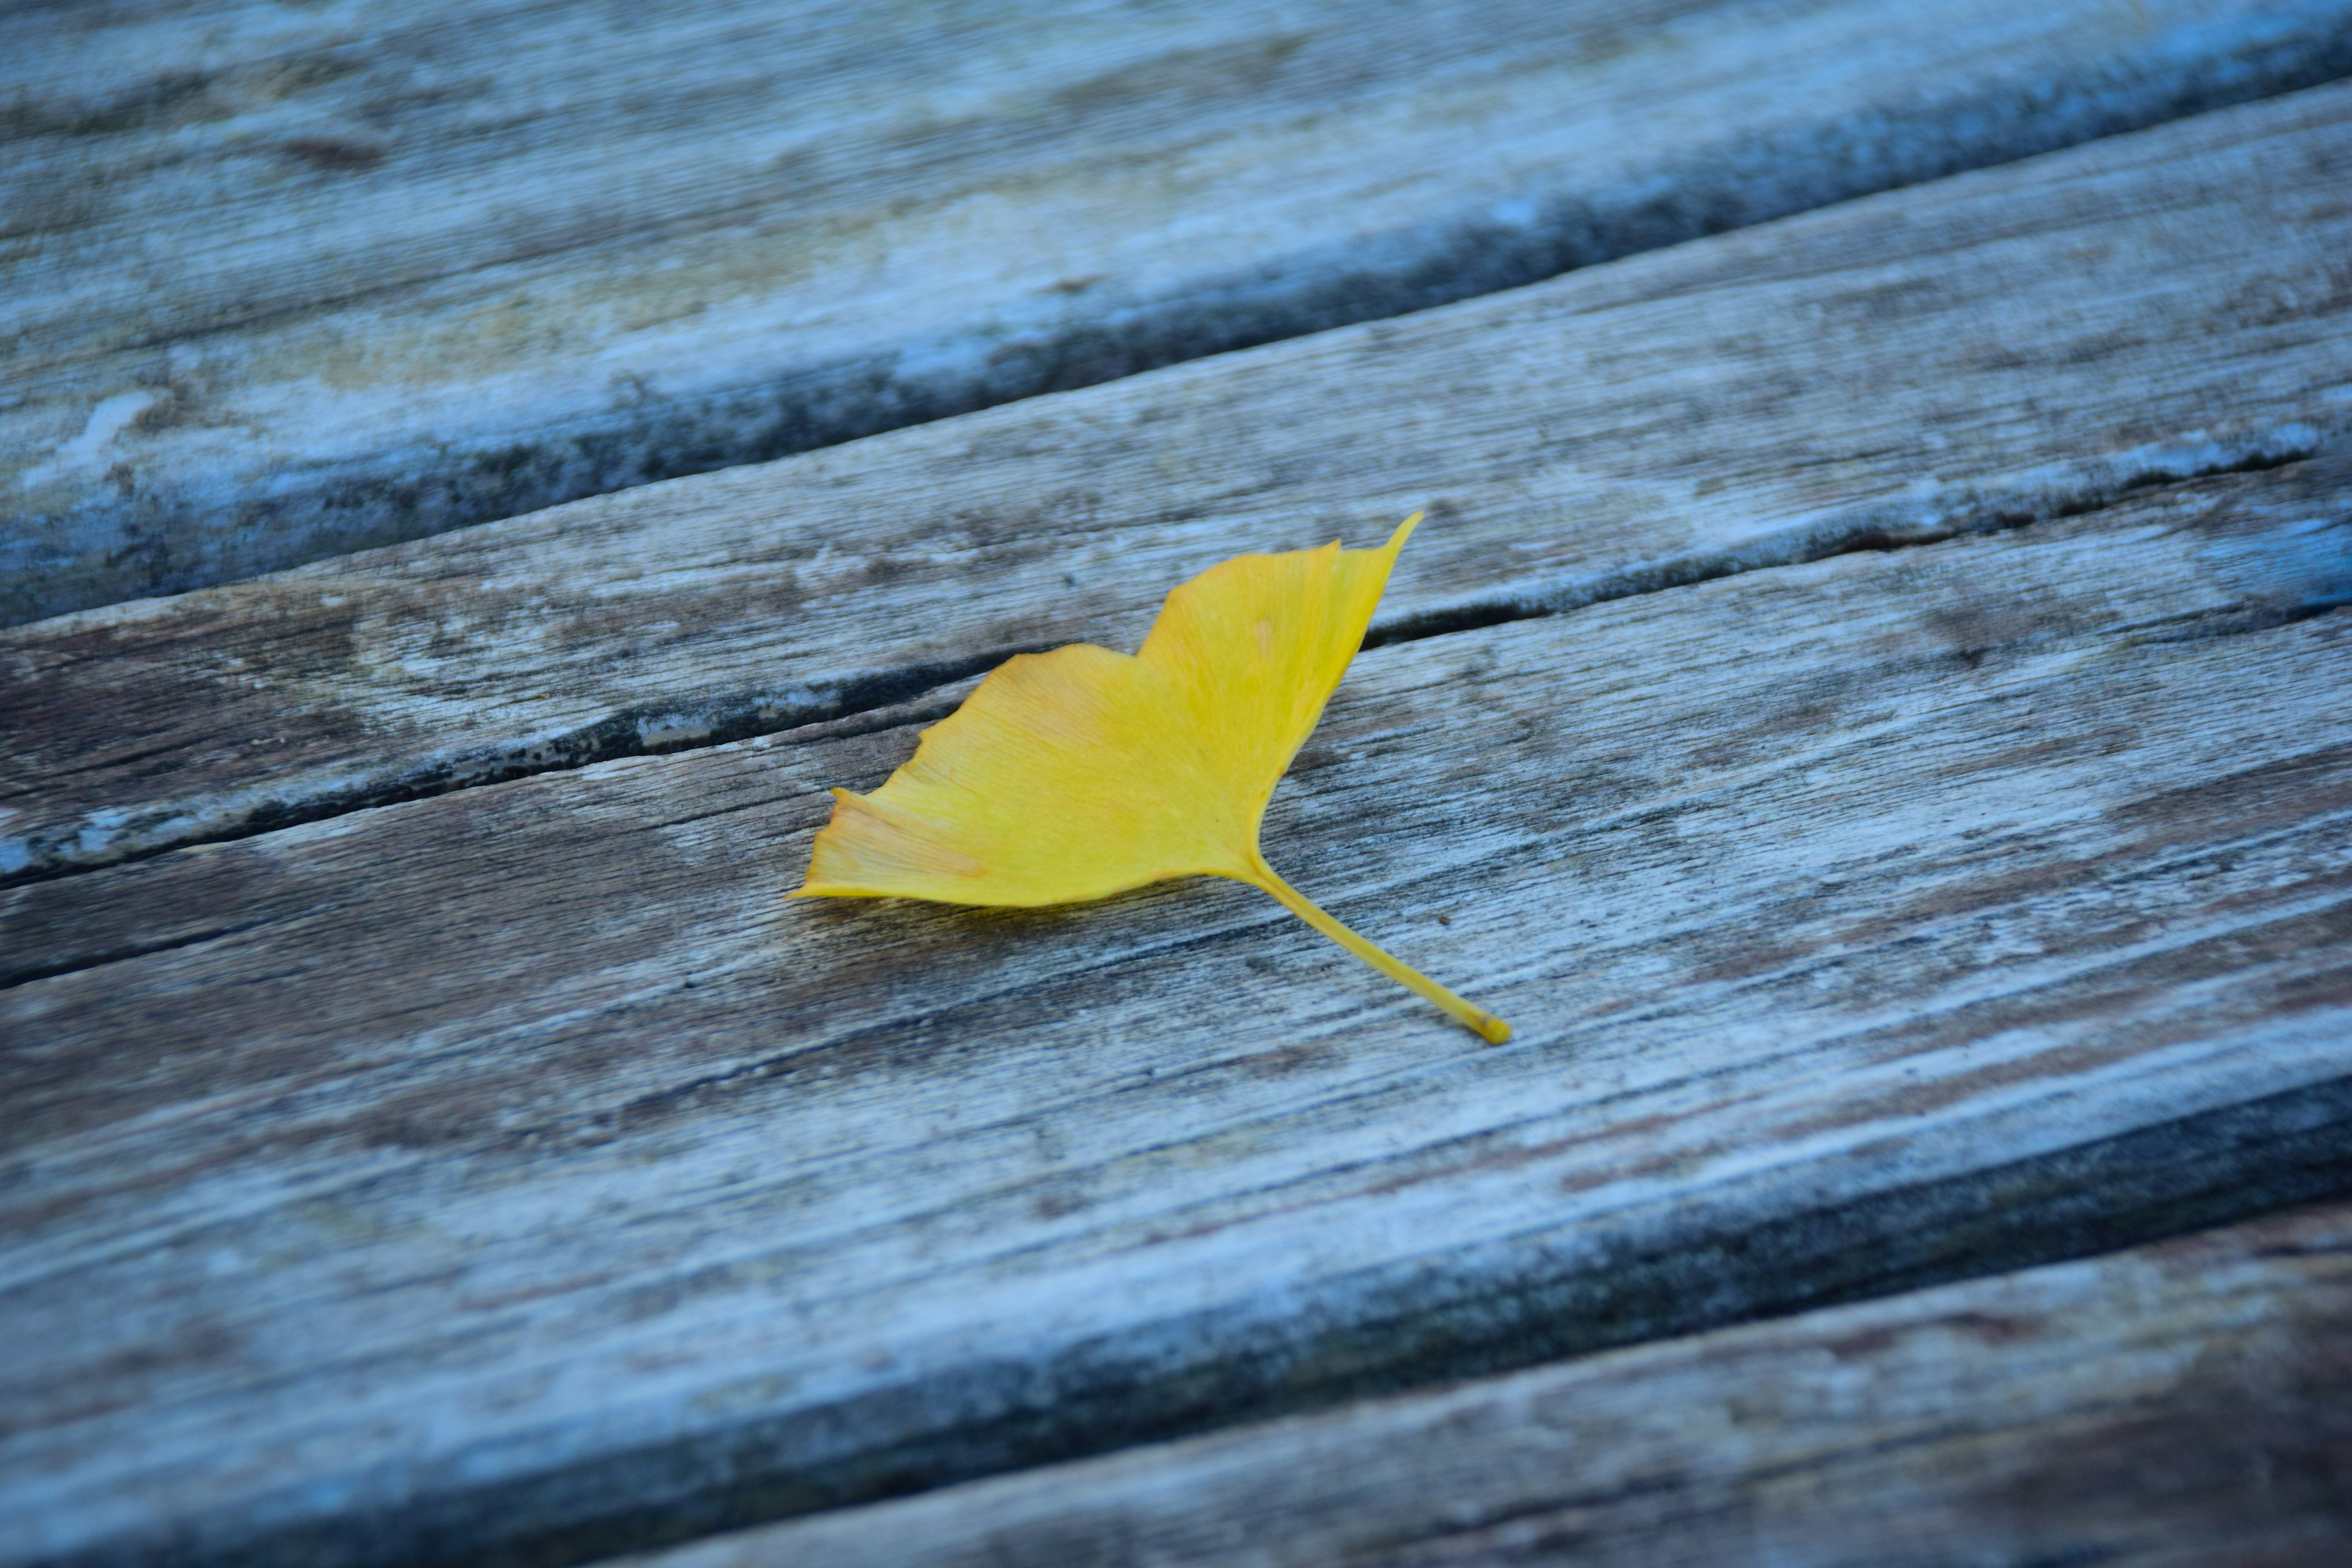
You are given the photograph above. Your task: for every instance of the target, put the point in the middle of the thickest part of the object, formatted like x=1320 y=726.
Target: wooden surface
x=509 y=1174
x=2186 y=1403
x=1869 y=705
x=2013 y=344
x=280 y=281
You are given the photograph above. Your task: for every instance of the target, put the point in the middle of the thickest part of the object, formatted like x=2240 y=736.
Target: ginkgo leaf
x=1071 y=775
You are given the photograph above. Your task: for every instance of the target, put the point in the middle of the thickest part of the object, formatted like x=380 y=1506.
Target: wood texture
x=2014 y=344
x=509 y=1177
x=282 y=281
x=2187 y=1403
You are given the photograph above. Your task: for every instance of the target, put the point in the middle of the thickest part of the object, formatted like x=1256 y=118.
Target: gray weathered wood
x=2184 y=1404
x=2016 y=342
x=511 y=1176
x=283 y=281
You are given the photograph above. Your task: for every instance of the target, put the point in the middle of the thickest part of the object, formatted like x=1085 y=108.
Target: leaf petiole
x=1484 y=1022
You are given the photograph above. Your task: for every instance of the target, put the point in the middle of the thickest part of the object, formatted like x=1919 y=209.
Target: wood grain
x=285 y=281
x=510 y=1176
x=2019 y=343
x=2177 y=1405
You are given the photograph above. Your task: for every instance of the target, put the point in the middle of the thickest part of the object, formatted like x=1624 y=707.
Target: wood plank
x=511 y=1176
x=2183 y=1403
x=2015 y=343
x=288 y=281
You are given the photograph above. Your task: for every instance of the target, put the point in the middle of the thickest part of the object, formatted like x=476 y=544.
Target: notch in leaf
x=1072 y=775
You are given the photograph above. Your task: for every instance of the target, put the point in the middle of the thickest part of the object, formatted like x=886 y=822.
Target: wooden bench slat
x=2183 y=1403
x=283 y=282
x=2017 y=343
x=510 y=1175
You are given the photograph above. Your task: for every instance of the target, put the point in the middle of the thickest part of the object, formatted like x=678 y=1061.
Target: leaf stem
x=1494 y=1029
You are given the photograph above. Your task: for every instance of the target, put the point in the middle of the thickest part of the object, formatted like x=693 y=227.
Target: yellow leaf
x=1074 y=774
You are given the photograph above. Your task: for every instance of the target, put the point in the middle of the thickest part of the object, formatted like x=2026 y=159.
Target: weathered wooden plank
x=2019 y=342
x=2183 y=1403
x=510 y=1176
x=285 y=281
